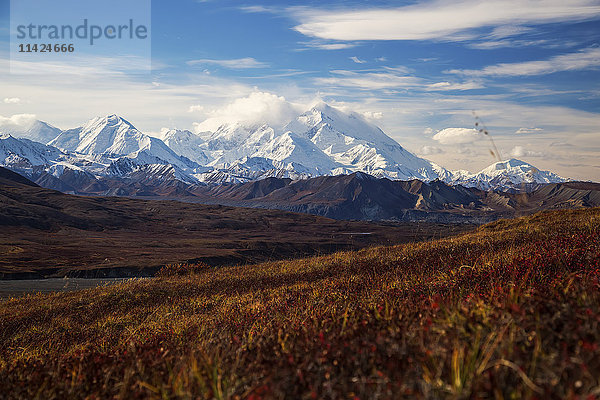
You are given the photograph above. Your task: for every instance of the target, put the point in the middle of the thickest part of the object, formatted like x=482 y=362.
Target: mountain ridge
x=322 y=141
x=364 y=197
x=46 y=233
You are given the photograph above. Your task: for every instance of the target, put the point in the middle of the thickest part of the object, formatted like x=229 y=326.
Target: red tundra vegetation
x=511 y=310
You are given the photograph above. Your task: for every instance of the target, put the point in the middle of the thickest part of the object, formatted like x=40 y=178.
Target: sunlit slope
x=510 y=311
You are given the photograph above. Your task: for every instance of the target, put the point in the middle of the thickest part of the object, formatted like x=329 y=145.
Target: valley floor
x=511 y=310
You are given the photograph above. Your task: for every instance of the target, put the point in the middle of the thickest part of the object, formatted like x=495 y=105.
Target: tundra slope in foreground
x=509 y=311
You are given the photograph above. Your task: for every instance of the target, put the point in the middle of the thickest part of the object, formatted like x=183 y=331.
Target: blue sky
x=530 y=69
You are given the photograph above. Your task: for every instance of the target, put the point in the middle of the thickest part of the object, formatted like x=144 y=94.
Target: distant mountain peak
x=187 y=144
x=36 y=130
x=363 y=176
x=512 y=164
x=25 y=153
x=323 y=108
x=506 y=175
x=506 y=164
x=111 y=120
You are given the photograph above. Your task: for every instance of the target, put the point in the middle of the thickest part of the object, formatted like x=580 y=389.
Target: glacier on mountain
x=320 y=141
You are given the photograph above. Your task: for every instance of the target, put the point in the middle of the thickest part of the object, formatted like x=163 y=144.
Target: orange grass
x=509 y=311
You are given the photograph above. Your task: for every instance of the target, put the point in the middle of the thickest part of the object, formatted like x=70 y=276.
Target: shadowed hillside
x=47 y=233
x=363 y=197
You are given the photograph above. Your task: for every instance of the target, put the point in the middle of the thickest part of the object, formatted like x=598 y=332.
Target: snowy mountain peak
x=514 y=166
x=110 y=135
x=103 y=135
x=507 y=165
x=25 y=153
x=508 y=174
x=112 y=121
x=323 y=110
x=357 y=145
x=187 y=144
x=29 y=128
x=113 y=136
x=179 y=134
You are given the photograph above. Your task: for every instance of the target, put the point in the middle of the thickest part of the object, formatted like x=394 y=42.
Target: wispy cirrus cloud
x=369 y=80
x=86 y=65
x=259 y=9
x=513 y=36
x=505 y=31
x=324 y=45
x=445 y=86
x=497 y=44
x=521 y=131
x=234 y=63
x=441 y=19
x=393 y=78
x=583 y=59
x=357 y=60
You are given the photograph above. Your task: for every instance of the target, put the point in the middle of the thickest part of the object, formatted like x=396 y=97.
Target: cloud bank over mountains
x=524 y=66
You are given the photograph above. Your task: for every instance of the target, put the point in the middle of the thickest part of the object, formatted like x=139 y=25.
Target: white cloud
x=325 y=45
x=392 y=78
x=12 y=100
x=135 y=97
x=398 y=69
x=18 y=120
x=439 y=86
x=357 y=60
x=468 y=152
x=258 y=107
x=196 y=108
x=369 y=80
x=456 y=136
x=372 y=115
x=257 y=9
x=584 y=59
x=504 y=31
x=16 y=124
x=528 y=130
x=86 y=65
x=437 y=19
x=429 y=150
x=235 y=63
x=560 y=144
x=496 y=44
x=520 y=151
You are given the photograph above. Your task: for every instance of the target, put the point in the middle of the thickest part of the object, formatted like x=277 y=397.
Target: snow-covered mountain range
x=506 y=175
x=321 y=141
